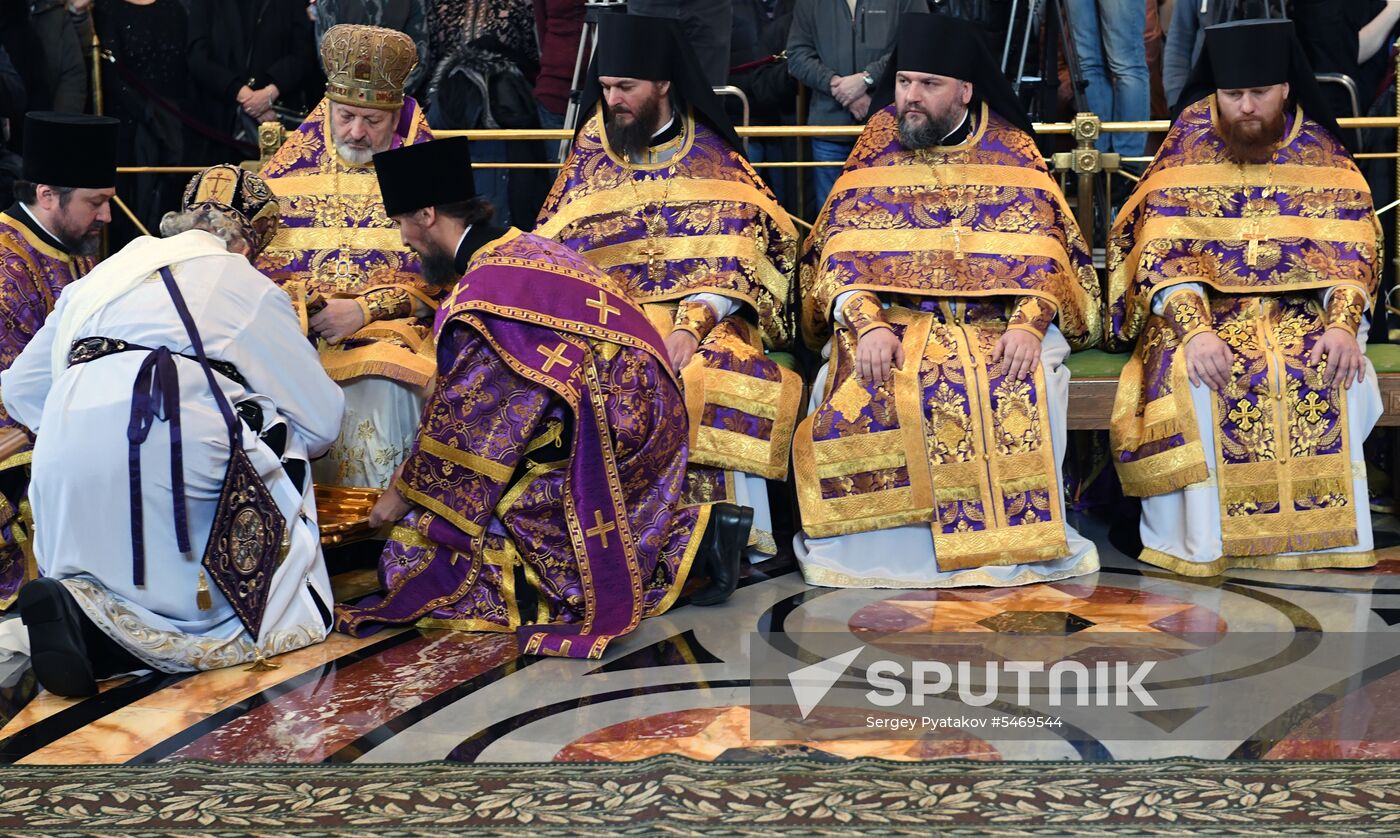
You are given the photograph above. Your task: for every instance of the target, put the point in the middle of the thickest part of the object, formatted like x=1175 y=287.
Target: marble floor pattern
x=682 y=683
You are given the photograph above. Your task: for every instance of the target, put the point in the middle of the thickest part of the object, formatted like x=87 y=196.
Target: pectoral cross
x=1312 y=407
x=600 y=528
x=956 y=230
x=651 y=251
x=555 y=356
x=603 y=308
x=1246 y=415
x=1253 y=236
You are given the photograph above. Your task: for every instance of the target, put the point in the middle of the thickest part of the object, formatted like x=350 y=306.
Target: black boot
x=722 y=549
x=56 y=646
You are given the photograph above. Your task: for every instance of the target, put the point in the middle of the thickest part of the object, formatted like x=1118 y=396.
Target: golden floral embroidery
x=695 y=317
x=1345 y=308
x=864 y=312
x=1188 y=314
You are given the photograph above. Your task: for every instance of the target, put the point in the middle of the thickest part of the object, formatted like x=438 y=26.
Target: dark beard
x=929 y=131
x=634 y=137
x=1252 y=141
x=439 y=267
x=81 y=242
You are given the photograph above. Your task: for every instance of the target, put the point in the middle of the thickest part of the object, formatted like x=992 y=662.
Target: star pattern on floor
x=1049 y=621
x=711 y=733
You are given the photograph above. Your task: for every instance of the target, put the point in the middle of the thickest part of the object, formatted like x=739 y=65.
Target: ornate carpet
x=674 y=795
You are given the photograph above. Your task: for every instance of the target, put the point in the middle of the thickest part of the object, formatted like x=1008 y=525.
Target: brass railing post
x=271 y=135
x=1085 y=162
x=96 y=73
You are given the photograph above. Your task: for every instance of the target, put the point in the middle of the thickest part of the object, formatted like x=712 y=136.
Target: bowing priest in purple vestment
x=134 y=449
x=945 y=282
x=657 y=192
x=1244 y=268
x=48 y=238
x=552 y=448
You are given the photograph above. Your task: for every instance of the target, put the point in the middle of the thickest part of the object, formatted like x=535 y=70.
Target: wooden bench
x=1095 y=381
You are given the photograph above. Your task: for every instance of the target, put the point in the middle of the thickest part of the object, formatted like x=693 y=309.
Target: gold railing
x=1084 y=162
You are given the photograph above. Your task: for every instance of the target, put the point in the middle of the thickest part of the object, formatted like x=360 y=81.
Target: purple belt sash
x=155 y=395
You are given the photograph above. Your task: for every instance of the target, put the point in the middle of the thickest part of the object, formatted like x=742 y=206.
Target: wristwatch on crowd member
x=869 y=80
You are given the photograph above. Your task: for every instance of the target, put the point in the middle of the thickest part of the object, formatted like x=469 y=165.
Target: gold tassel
x=262 y=664
x=202 y=597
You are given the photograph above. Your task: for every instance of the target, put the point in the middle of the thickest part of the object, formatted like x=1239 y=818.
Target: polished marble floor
x=682 y=683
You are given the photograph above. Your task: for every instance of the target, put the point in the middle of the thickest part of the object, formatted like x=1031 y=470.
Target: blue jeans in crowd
x=549 y=119
x=1108 y=36
x=778 y=180
x=824 y=177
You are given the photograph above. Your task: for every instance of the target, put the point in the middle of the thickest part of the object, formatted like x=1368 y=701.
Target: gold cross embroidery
x=555 y=357
x=1246 y=415
x=600 y=528
x=1253 y=236
x=1312 y=407
x=603 y=308
x=957 y=230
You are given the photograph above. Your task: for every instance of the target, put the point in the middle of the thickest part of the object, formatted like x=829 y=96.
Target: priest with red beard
x=1244 y=267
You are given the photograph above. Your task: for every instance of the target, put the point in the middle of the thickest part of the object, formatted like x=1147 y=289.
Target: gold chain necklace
x=1252 y=235
x=958 y=206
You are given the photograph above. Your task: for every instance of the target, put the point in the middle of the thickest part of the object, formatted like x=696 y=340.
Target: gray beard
x=354 y=156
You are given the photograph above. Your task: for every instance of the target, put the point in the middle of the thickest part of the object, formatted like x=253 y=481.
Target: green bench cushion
x=1095 y=363
x=786 y=360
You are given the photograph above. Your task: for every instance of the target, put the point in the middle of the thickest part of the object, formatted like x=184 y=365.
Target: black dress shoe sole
x=57 y=650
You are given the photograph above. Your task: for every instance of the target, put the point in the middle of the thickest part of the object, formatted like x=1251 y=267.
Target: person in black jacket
x=247 y=56
x=756 y=50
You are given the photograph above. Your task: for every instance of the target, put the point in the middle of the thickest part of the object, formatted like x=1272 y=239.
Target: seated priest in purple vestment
x=48 y=238
x=946 y=282
x=134 y=448
x=1244 y=267
x=357 y=289
x=657 y=193
x=552 y=449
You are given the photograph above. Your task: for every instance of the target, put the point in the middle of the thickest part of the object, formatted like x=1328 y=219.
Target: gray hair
x=210 y=220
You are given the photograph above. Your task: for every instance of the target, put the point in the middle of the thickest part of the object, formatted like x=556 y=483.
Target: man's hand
x=1346 y=364
x=878 y=353
x=860 y=107
x=847 y=89
x=1019 y=353
x=339 y=320
x=1208 y=361
x=680 y=348
x=391 y=506
x=244 y=94
x=259 y=103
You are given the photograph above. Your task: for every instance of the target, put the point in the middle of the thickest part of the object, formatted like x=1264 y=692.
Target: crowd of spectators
x=192 y=79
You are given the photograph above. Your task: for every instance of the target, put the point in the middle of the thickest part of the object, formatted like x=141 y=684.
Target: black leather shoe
x=725 y=542
x=56 y=647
